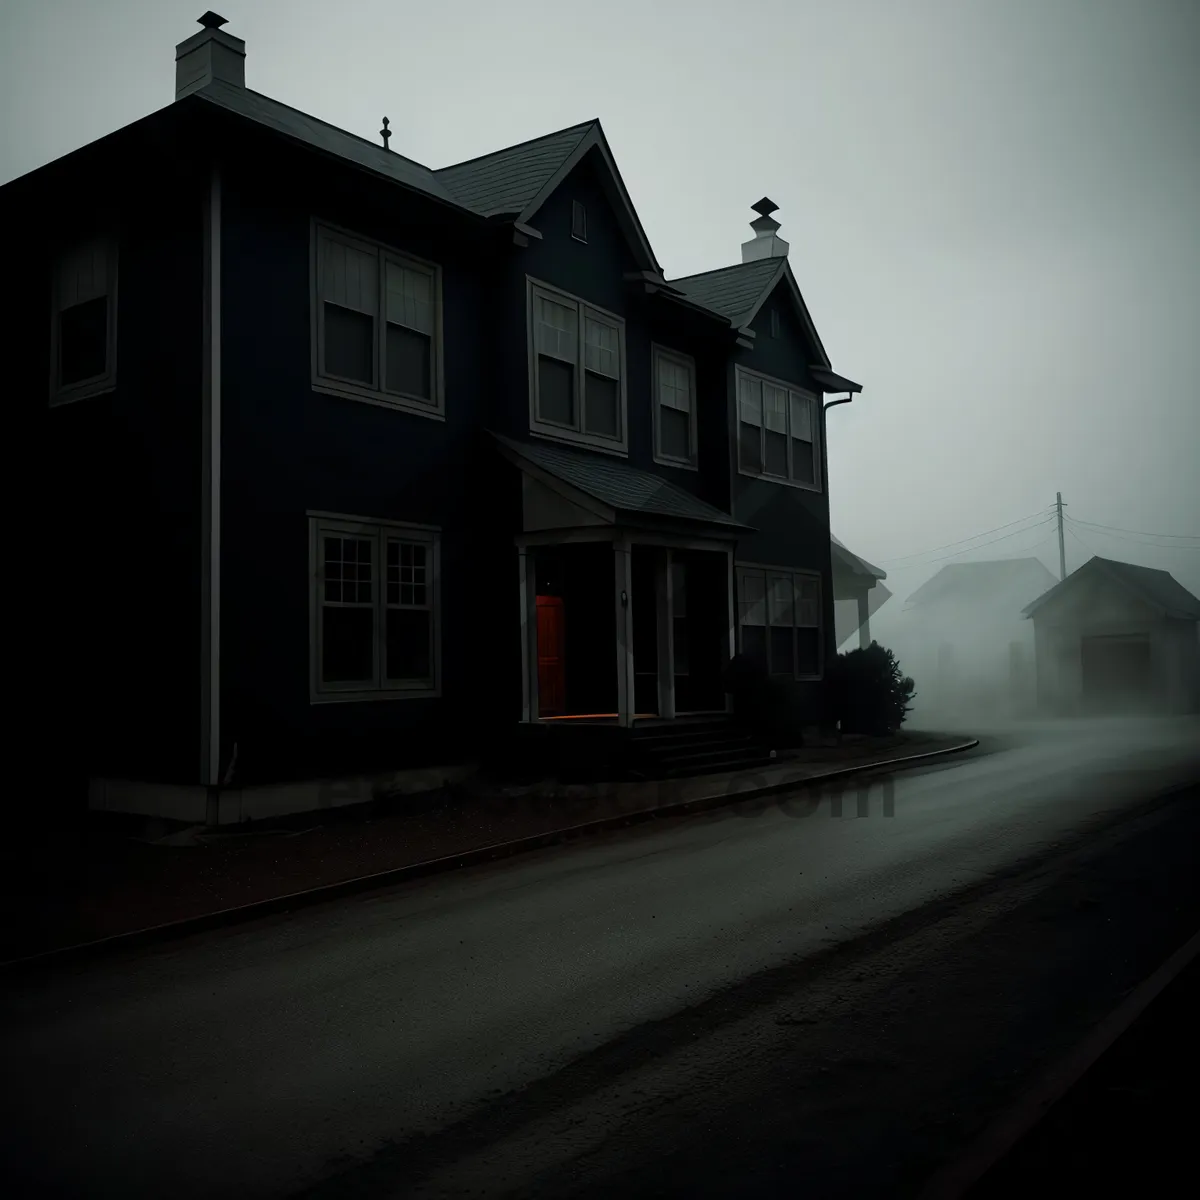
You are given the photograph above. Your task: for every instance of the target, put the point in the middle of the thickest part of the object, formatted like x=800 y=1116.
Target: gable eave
x=785 y=272
x=594 y=139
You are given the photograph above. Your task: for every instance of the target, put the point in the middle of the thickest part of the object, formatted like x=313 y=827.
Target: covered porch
x=626 y=592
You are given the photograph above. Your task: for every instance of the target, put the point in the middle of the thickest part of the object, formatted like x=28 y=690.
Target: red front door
x=552 y=664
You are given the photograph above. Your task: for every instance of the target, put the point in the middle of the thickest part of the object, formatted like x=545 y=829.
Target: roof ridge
x=583 y=127
x=717 y=270
x=328 y=125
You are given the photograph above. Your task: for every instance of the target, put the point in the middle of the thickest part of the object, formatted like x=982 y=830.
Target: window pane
x=808 y=651
x=801 y=417
x=409 y=298
x=674 y=385
x=752 y=598
x=776 y=454
x=83 y=341
x=558 y=331
x=808 y=601
x=408 y=357
x=780 y=606
x=578 y=221
x=349 y=276
x=349 y=344
x=754 y=643
x=409 y=644
x=602 y=345
x=600 y=405
x=407 y=573
x=750 y=447
x=750 y=400
x=348 y=570
x=347 y=651
x=556 y=392
x=781 y=651
x=775 y=408
x=804 y=463
x=674 y=432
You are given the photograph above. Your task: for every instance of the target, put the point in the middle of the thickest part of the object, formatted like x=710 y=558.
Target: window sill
x=347 y=391
x=589 y=441
x=791 y=483
x=349 y=697
x=679 y=463
x=83 y=391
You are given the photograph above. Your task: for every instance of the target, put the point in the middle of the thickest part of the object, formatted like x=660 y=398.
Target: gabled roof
x=856 y=565
x=738 y=292
x=1159 y=589
x=614 y=483
x=507 y=181
x=733 y=292
x=1000 y=585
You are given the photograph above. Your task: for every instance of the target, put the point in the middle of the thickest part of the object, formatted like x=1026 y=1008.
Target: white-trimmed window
x=376 y=323
x=777 y=430
x=578 y=221
x=83 y=337
x=674 y=407
x=577 y=369
x=779 y=620
x=375 y=609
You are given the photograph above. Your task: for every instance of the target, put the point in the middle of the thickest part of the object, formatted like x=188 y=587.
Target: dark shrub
x=866 y=692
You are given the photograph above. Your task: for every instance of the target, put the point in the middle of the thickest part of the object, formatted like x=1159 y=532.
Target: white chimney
x=209 y=55
x=764 y=243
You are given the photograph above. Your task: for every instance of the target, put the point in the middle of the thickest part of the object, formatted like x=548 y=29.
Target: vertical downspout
x=210 y=507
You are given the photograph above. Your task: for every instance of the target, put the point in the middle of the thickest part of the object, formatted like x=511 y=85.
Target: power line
x=923 y=553
x=1133 y=535
x=1003 y=537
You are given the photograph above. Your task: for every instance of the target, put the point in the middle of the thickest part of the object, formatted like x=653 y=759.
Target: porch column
x=864 y=622
x=664 y=603
x=529 y=678
x=623 y=576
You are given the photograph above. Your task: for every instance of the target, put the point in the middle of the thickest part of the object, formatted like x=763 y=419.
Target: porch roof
x=624 y=490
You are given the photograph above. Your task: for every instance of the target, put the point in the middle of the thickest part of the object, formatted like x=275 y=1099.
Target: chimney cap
x=766 y=206
x=212 y=20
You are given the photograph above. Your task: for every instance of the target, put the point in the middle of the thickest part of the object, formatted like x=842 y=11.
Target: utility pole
x=1062 y=548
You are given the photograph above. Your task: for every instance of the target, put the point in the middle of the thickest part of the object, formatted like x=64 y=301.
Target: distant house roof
x=1160 y=589
x=1000 y=585
x=859 y=566
x=615 y=484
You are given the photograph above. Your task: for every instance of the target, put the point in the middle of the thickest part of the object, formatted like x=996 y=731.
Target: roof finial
x=212 y=20
x=385 y=133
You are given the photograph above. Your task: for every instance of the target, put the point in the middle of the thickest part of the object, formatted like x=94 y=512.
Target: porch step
x=699 y=747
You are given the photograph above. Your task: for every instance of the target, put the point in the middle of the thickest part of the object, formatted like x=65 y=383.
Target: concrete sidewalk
x=115 y=888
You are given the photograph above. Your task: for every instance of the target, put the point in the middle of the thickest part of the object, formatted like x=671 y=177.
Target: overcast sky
x=993 y=206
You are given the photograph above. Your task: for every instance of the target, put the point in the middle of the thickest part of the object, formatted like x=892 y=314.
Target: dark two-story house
x=350 y=465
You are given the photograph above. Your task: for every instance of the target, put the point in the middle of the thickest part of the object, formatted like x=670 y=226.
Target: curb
x=436 y=866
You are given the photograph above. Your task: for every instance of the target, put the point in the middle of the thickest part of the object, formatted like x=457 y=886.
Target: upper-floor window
x=778 y=428
x=375 y=608
x=83 y=338
x=779 y=620
x=578 y=221
x=577 y=369
x=376 y=324
x=674 y=407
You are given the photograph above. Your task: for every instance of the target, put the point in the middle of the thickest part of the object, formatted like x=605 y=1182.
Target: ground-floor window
x=779 y=620
x=375 y=609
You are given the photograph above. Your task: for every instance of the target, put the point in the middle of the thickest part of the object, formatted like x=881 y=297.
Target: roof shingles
x=730 y=291
x=616 y=484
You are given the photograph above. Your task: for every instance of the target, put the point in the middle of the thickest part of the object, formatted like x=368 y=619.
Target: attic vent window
x=774 y=322
x=578 y=221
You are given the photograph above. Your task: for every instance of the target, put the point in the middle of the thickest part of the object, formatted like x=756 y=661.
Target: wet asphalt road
x=719 y=1005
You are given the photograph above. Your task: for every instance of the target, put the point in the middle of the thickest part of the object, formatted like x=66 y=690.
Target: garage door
x=1117 y=674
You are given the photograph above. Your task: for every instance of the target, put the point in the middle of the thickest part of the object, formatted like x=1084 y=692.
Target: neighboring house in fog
x=1117 y=638
x=962 y=638
x=373 y=462
x=858 y=594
